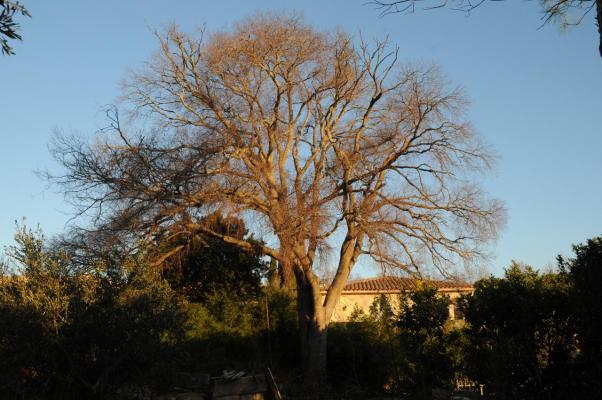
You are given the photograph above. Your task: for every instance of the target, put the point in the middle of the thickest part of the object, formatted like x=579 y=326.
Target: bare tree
x=565 y=13
x=325 y=143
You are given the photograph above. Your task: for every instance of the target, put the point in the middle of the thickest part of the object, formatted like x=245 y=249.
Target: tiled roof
x=396 y=284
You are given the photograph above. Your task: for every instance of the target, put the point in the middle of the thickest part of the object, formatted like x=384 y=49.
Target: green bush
x=521 y=335
x=69 y=333
x=228 y=331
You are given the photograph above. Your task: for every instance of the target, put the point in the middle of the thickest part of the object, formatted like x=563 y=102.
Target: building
x=361 y=293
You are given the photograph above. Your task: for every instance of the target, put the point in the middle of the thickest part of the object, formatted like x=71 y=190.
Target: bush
x=227 y=331
x=68 y=333
x=411 y=350
x=521 y=339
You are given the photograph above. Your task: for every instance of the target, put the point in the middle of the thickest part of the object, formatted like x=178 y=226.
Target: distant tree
x=565 y=13
x=9 y=29
x=324 y=143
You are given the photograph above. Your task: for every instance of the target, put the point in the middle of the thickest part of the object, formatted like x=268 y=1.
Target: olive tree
x=323 y=142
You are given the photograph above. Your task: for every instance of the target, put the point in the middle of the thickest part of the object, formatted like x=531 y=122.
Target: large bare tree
x=565 y=13
x=321 y=141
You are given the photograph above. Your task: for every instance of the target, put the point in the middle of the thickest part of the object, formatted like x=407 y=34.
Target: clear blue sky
x=536 y=97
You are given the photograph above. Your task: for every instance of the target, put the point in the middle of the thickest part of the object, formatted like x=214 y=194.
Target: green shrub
x=69 y=333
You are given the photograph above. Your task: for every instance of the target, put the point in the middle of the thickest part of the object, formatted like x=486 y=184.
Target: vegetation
x=521 y=336
x=205 y=265
x=9 y=29
x=67 y=333
x=73 y=332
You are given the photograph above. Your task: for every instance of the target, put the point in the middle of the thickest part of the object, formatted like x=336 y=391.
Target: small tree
x=323 y=142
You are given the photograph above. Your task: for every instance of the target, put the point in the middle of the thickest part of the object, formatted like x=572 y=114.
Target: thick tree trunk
x=287 y=276
x=314 y=362
x=313 y=333
x=314 y=312
x=281 y=275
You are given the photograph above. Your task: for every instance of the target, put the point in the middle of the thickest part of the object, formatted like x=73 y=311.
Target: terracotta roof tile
x=395 y=284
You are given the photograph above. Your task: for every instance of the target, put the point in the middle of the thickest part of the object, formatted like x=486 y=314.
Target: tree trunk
x=313 y=329
x=287 y=276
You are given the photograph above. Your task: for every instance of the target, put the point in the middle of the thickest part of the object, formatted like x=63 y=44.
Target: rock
x=244 y=388
x=191 y=396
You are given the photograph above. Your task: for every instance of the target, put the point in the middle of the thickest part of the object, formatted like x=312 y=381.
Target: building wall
x=348 y=302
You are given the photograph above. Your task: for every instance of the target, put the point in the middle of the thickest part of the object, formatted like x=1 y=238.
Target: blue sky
x=536 y=98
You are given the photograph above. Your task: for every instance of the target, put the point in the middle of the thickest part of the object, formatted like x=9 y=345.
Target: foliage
x=68 y=334
x=406 y=350
x=585 y=273
x=521 y=343
x=226 y=332
x=9 y=29
x=363 y=352
x=425 y=342
x=209 y=265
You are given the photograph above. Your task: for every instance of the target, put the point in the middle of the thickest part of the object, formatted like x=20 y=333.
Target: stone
x=248 y=386
x=191 y=396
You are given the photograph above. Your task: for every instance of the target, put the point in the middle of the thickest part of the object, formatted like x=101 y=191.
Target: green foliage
x=226 y=332
x=409 y=350
x=210 y=265
x=362 y=354
x=69 y=333
x=585 y=273
x=521 y=344
x=9 y=29
x=425 y=342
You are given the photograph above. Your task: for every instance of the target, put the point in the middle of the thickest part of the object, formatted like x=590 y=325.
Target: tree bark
x=313 y=329
x=313 y=346
x=287 y=276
